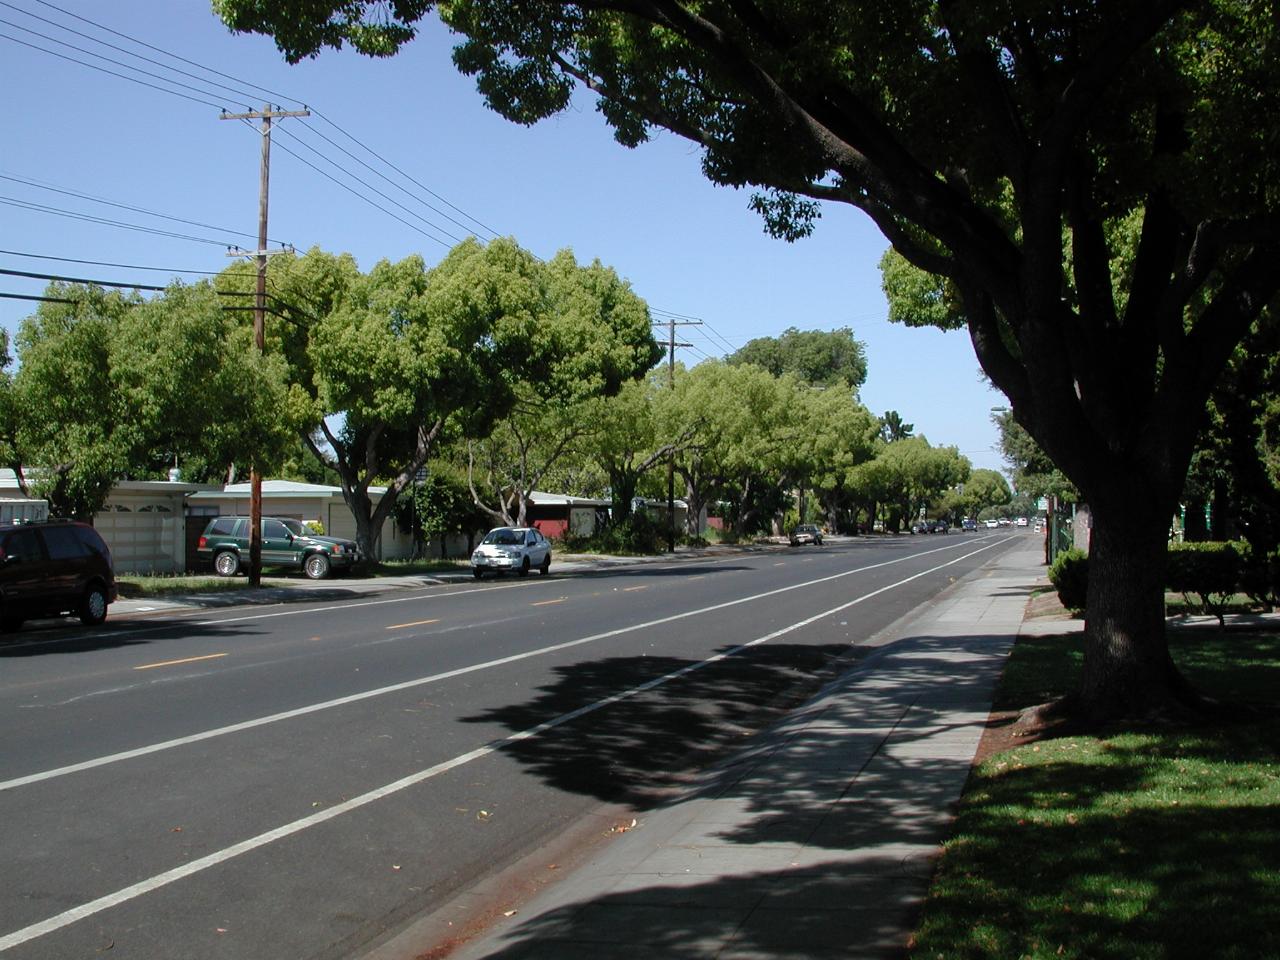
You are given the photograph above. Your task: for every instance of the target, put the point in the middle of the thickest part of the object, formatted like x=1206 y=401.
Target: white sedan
x=505 y=549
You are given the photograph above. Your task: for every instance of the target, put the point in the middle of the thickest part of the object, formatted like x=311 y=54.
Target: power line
x=94 y=66
x=143 y=43
x=124 y=206
x=416 y=183
x=355 y=193
x=369 y=186
x=88 y=218
x=112 y=46
x=104 y=263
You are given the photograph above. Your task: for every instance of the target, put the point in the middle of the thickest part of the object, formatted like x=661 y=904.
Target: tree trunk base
x=1159 y=709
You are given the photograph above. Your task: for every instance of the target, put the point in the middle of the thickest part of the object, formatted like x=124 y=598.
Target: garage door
x=142 y=540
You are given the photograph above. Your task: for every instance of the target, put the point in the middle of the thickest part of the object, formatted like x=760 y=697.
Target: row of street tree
x=495 y=372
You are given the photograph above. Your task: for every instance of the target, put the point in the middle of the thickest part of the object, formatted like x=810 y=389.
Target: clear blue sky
x=686 y=246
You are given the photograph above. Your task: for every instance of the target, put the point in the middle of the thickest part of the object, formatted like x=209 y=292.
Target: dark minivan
x=53 y=567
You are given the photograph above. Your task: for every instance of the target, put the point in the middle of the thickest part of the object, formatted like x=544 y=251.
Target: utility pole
x=671 y=455
x=260 y=312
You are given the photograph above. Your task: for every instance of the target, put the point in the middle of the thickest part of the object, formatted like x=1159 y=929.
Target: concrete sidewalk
x=819 y=839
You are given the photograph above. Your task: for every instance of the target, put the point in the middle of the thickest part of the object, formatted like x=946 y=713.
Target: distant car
x=991 y=524
x=806 y=533
x=941 y=526
x=1004 y=522
x=921 y=526
x=968 y=524
x=506 y=549
x=285 y=543
x=1022 y=522
x=52 y=567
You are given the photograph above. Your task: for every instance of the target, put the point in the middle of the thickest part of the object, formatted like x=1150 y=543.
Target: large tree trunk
x=1128 y=673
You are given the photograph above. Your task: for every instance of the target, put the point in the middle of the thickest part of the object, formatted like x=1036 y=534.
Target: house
x=152 y=526
x=557 y=515
x=143 y=522
x=299 y=501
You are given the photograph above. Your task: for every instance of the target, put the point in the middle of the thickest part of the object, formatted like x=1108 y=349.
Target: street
x=305 y=780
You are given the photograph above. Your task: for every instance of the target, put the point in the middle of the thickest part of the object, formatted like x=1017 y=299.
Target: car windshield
x=503 y=536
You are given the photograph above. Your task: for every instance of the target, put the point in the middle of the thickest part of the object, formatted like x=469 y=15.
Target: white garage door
x=142 y=540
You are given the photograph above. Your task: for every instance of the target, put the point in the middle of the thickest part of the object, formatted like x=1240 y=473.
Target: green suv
x=285 y=543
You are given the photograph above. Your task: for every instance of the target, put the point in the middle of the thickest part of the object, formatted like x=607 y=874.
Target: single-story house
x=299 y=501
x=143 y=522
x=556 y=514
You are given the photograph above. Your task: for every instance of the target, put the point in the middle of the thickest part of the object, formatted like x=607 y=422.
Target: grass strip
x=1157 y=843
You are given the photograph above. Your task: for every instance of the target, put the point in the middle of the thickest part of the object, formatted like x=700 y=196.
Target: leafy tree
x=822 y=358
x=628 y=442
x=983 y=489
x=103 y=392
x=598 y=337
x=385 y=365
x=1010 y=153
x=1033 y=472
x=443 y=504
x=745 y=436
x=893 y=428
x=909 y=475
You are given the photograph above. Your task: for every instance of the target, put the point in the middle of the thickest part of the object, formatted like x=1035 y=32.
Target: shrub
x=1210 y=570
x=1260 y=578
x=637 y=535
x=1070 y=576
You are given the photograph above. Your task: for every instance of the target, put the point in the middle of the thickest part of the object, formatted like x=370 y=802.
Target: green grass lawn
x=1147 y=844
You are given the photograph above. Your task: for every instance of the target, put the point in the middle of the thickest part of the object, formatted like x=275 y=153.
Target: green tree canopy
x=104 y=392
x=823 y=358
x=1010 y=151
x=385 y=365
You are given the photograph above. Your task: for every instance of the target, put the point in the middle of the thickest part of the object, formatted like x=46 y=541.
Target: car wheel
x=10 y=623
x=478 y=572
x=524 y=567
x=92 y=609
x=227 y=563
x=545 y=565
x=316 y=566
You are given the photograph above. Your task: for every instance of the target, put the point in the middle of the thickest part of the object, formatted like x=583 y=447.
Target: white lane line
x=437 y=677
x=69 y=917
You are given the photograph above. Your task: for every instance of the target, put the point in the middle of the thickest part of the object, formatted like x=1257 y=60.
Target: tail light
x=202 y=542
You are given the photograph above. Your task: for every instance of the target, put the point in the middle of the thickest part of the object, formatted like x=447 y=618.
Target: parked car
x=53 y=567
x=511 y=548
x=968 y=524
x=922 y=526
x=992 y=524
x=285 y=543
x=1021 y=522
x=806 y=533
x=941 y=526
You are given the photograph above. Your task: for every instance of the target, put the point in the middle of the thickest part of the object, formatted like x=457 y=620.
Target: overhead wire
x=126 y=206
x=366 y=184
x=94 y=66
x=242 y=91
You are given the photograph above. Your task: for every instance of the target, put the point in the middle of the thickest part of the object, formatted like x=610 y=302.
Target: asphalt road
x=305 y=780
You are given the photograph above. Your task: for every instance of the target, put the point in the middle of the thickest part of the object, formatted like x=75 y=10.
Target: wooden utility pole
x=260 y=313
x=671 y=455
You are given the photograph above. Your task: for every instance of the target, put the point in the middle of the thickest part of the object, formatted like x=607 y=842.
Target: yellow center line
x=174 y=663
x=416 y=623
x=629 y=589
x=543 y=603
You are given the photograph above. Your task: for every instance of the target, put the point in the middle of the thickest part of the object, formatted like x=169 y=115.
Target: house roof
x=279 y=489
x=9 y=481
x=543 y=499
